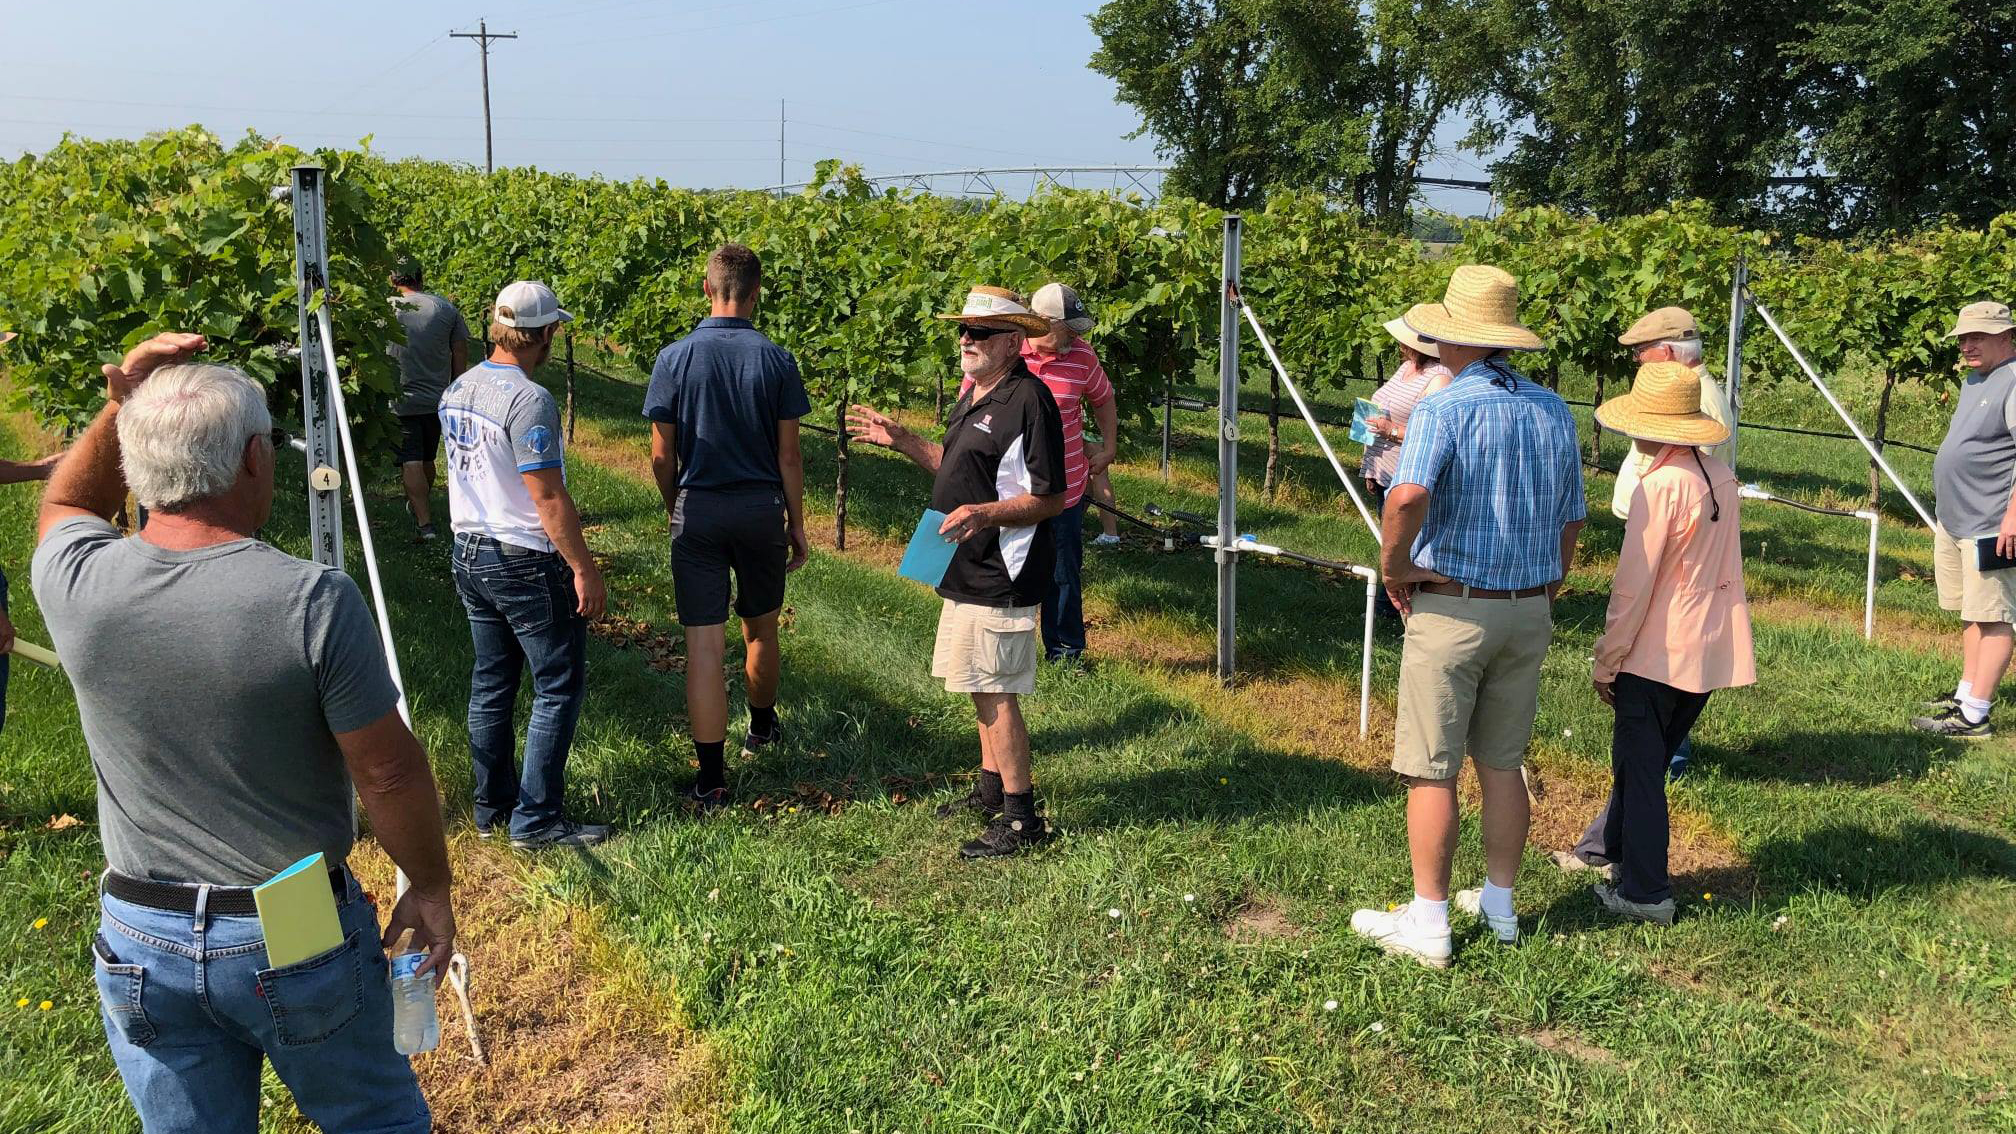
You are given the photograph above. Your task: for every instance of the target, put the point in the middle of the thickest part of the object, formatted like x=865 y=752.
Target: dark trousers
x=521 y=608
x=1375 y=497
x=1652 y=721
x=1064 y=602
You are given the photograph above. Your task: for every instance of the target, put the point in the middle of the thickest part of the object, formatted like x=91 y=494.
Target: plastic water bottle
x=414 y=1026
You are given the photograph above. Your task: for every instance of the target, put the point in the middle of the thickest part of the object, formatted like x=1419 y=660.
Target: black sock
x=1019 y=805
x=990 y=789
x=763 y=721
x=713 y=769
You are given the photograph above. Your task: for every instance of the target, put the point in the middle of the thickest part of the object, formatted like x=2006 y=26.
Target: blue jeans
x=521 y=608
x=189 y=1009
x=1064 y=602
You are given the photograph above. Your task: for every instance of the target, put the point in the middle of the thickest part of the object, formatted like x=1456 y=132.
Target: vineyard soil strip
x=1814 y=376
x=1251 y=546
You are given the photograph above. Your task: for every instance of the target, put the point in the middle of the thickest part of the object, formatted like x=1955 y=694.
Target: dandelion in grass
x=1778 y=924
x=1113 y=913
x=21 y=1003
x=1223 y=780
x=1378 y=1025
x=47 y=1004
x=41 y=922
x=1189 y=897
x=1567 y=732
x=1706 y=897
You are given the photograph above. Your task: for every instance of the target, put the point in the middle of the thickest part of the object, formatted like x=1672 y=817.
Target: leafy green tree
x=1616 y=107
x=1908 y=105
x=1241 y=95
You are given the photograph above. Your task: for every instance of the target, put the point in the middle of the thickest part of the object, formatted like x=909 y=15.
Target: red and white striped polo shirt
x=1073 y=378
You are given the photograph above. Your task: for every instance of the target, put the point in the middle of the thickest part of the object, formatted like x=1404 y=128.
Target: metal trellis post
x=311 y=272
x=1228 y=449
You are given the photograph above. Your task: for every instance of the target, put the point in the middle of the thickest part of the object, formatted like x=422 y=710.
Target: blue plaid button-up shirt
x=1498 y=457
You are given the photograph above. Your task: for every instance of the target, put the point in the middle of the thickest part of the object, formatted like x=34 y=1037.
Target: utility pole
x=483 y=36
x=780 y=147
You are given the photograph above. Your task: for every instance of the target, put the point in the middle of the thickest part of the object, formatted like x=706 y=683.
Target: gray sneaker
x=1939 y=704
x=1658 y=913
x=565 y=833
x=1572 y=863
x=1953 y=723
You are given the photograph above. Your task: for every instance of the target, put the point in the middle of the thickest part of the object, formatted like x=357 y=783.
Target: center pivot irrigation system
x=1228 y=543
x=325 y=420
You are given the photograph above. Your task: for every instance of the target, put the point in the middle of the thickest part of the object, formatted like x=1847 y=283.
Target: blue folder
x=929 y=553
x=1360 y=432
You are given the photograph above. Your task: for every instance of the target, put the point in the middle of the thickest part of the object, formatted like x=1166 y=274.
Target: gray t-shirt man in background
x=230 y=695
x=1974 y=476
x=435 y=351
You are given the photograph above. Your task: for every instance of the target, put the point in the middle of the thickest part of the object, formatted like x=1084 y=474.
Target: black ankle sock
x=713 y=769
x=1019 y=805
x=763 y=721
x=990 y=789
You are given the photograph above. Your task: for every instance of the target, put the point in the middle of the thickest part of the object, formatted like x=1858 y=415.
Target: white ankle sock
x=1974 y=709
x=1430 y=915
x=1497 y=900
x=1963 y=691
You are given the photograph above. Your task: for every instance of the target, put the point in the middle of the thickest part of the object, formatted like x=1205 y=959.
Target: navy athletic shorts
x=419 y=438
x=719 y=531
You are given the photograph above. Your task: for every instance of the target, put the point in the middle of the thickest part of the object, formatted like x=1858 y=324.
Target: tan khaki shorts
x=1962 y=586
x=1469 y=681
x=985 y=649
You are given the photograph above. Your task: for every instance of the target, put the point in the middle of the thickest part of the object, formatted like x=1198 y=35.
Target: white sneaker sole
x=1399 y=948
x=1472 y=903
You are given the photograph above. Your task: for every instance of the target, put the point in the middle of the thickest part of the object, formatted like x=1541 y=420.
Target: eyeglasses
x=981 y=334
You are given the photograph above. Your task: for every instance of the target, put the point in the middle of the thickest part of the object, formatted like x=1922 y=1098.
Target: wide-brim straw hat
x=997 y=306
x=6 y=337
x=1479 y=309
x=1664 y=405
x=1410 y=338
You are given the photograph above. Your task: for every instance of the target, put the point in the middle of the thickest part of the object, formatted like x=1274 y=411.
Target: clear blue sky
x=686 y=90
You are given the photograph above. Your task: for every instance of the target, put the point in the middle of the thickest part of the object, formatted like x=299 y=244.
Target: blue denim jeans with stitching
x=521 y=607
x=190 y=1009
x=1064 y=600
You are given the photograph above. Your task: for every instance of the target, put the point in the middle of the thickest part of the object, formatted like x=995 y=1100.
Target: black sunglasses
x=982 y=334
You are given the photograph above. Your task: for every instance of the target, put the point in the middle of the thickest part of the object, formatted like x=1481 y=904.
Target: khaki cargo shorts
x=985 y=649
x=1978 y=597
x=1469 y=682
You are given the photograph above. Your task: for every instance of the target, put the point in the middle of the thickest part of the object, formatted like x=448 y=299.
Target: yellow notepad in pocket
x=297 y=913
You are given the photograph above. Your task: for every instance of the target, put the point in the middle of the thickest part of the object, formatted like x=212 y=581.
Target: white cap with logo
x=1057 y=302
x=528 y=304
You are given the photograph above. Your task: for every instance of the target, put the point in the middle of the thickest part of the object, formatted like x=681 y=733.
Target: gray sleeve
x=60 y=571
x=533 y=424
x=344 y=651
x=458 y=327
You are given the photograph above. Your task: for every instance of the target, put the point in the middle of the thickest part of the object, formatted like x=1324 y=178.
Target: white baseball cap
x=528 y=304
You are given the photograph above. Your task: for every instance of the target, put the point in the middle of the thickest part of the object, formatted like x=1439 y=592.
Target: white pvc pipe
x=1869 y=595
x=1267 y=345
x=342 y=416
x=1371 y=578
x=1875 y=454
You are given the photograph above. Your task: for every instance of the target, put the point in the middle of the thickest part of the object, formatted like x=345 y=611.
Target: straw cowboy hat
x=1408 y=337
x=997 y=306
x=6 y=337
x=1664 y=405
x=1480 y=309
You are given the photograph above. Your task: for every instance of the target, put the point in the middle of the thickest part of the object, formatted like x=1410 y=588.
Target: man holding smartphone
x=1974 y=476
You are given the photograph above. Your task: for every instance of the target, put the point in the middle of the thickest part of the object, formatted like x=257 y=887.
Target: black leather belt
x=180 y=897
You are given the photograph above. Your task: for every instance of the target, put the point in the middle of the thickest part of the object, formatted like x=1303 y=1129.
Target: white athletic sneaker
x=1472 y=902
x=1396 y=933
x=1104 y=540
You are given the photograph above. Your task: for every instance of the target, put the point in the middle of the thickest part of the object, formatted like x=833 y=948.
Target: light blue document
x=1359 y=431
x=929 y=553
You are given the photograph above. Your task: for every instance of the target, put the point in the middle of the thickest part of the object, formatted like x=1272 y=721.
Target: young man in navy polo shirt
x=724 y=405
x=999 y=475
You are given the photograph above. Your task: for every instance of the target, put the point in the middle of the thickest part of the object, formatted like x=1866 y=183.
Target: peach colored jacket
x=1678 y=613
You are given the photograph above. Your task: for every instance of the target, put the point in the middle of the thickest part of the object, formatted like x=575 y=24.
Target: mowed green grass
x=1171 y=962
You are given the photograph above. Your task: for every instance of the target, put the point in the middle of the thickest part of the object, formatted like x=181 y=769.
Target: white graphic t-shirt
x=498 y=424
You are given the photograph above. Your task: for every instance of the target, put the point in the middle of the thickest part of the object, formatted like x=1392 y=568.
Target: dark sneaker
x=1953 y=723
x=1658 y=913
x=753 y=740
x=490 y=830
x=713 y=799
x=968 y=803
x=1936 y=705
x=427 y=534
x=565 y=833
x=1005 y=836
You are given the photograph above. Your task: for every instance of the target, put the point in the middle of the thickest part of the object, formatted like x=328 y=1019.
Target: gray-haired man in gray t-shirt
x=1974 y=477
x=231 y=695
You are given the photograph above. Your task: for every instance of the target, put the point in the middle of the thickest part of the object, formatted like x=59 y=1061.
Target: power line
x=483 y=35
x=375 y=79
x=736 y=24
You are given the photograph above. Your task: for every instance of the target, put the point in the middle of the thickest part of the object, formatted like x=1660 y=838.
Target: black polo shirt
x=998 y=447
